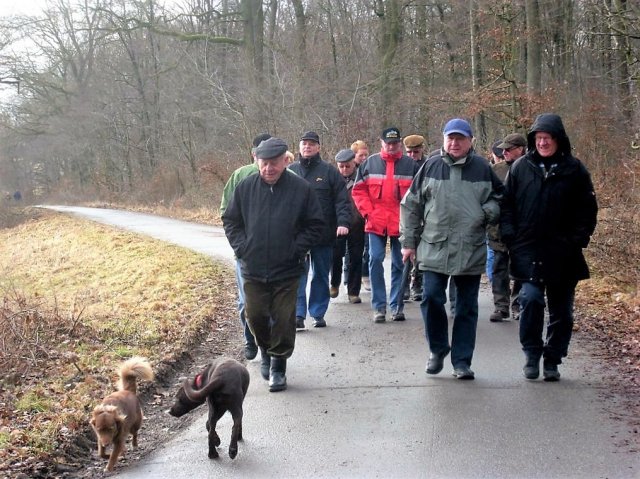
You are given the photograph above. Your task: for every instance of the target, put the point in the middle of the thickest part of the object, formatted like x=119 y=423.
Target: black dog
x=224 y=384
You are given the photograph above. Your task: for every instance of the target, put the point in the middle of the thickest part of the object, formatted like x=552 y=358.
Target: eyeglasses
x=413 y=152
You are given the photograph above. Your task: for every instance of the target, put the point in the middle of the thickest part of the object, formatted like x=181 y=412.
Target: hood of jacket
x=552 y=124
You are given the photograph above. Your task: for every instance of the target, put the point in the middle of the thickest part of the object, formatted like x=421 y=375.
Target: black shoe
x=299 y=322
x=399 y=316
x=319 y=323
x=531 y=369
x=250 y=351
x=265 y=364
x=435 y=363
x=550 y=371
x=463 y=372
x=277 y=377
x=416 y=295
x=499 y=316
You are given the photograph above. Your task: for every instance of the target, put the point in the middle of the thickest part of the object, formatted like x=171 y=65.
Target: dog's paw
x=213 y=454
x=233 y=452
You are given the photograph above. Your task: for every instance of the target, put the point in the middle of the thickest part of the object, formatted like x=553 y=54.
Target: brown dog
x=224 y=384
x=120 y=413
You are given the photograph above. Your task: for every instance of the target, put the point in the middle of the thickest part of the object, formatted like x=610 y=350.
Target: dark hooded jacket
x=549 y=210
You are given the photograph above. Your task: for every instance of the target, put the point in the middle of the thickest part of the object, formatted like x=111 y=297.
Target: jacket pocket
x=375 y=188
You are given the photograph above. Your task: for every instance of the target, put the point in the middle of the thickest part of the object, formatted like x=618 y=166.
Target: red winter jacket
x=379 y=188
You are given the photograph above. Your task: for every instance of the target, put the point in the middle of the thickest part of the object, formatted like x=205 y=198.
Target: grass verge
x=77 y=299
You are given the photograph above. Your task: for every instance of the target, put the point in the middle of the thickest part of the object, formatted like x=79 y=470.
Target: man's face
x=271 y=170
x=347 y=168
x=361 y=155
x=309 y=148
x=391 y=147
x=513 y=153
x=457 y=145
x=545 y=144
x=416 y=152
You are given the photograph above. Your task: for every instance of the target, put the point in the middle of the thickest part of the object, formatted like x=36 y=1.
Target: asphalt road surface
x=359 y=404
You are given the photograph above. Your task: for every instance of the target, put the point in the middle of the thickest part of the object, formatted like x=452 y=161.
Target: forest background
x=151 y=104
x=143 y=102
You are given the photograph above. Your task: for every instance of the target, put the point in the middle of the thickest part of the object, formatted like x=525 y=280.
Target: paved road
x=359 y=404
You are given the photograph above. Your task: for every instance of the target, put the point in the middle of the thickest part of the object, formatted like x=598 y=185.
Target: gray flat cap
x=271 y=148
x=345 y=155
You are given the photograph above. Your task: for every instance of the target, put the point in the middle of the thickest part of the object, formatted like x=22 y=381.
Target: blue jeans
x=320 y=260
x=377 y=245
x=465 y=320
x=248 y=337
x=560 y=303
x=489 y=266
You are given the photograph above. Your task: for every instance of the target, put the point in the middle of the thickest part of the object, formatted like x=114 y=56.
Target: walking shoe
x=531 y=369
x=354 y=299
x=463 y=372
x=499 y=316
x=277 y=377
x=379 y=316
x=250 y=351
x=550 y=371
x=398 y=316
x=265 y=364
x=366 y=283
x=515 y=312
x=299 y=322
x=435 y=363
x=319 y=323
x=416 y=295
x=333 y=291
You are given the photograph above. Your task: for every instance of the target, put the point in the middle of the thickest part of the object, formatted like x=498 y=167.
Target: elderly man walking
x=443 y=220
x=381 y=182
x=332 y=194
x=271 y=222
x=550 y=212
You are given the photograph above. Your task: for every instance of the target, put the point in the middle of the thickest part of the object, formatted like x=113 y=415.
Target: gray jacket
x=445 y=213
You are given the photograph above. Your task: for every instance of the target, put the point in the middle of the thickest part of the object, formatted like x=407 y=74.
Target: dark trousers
x=560 y=304
x=353 y=243
x=465 y=319
x=503 y=295
x=270 y=309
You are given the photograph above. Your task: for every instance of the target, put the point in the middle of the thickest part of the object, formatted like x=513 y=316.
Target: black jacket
x=331 y=191
x=271 y=228
x=549 y=211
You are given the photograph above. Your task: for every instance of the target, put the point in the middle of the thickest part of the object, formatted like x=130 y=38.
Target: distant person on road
x=273 y=219
x=331 y=191
x=415 y=146
x=250 y=346
x=504 y=298
x=549 y=214
x=381 y=182
x=353 y=242
x=361 y=149
x=444 y=217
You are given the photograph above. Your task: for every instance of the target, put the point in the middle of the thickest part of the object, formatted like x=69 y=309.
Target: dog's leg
x=214 y=439
x=236 y=431
x=102 y=451
x=118 y=445
x=134 y=438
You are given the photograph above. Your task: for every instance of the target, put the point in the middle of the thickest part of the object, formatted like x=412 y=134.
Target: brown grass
x=77 y=298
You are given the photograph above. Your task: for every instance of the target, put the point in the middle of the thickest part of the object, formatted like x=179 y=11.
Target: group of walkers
x=535 y=207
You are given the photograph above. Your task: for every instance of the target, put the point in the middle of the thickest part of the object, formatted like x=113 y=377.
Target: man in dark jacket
x=271 y=222
x=549 y=213
x=512 y=147
x=331 y=191
x=353 y=243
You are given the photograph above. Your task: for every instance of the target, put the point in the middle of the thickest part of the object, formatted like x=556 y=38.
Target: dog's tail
x=131 y=370
x=198 y=395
